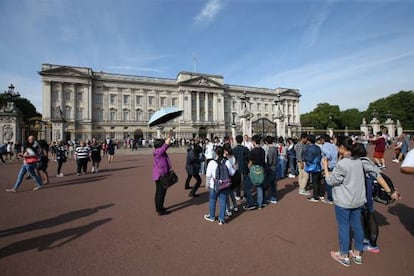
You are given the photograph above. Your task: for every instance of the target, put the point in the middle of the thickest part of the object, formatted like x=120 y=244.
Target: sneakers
x=291 y=175
x=93 y=170
x=239 y=198
x=345 y=261
x=235 y=209
x=327 y=201
x=221 y=222
x=356 y=259
x=249 y=207
x=306 y=193
x=311 y=199
x=208 y=218
x=78 y=174
x=229 y=213
x=372 y=249
x=396 y=161
x=37 y=188
x=60 y=175
x=272 y=201
x=11 y=190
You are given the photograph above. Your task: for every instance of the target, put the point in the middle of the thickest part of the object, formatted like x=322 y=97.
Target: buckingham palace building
x=81 y=104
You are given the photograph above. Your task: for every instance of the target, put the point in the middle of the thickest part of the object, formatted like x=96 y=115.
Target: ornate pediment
x=201 y=81
x=291 y=93
x=63 y=71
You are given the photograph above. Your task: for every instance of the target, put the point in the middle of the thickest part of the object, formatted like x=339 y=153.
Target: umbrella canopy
x=164 y=115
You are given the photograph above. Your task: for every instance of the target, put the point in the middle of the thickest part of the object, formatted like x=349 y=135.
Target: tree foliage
x=25 y=106
x=399 y=106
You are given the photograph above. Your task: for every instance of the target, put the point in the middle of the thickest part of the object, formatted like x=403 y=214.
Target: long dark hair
x=349 y=145
x=220 y=153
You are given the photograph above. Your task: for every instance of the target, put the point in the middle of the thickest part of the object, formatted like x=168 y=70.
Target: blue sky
x=343 y=52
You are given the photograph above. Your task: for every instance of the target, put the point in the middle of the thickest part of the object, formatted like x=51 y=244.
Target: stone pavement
x=105 y=224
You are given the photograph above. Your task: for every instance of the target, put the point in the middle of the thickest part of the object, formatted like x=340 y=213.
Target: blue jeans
x=292 y=165
x=222 y=195
x=247 y=185
x=271 y=180
x=281 y=168
x=349 y=219
x=30 y=168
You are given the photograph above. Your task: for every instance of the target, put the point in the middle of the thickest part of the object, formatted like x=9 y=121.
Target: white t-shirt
x=409 y=159
x=211 y=172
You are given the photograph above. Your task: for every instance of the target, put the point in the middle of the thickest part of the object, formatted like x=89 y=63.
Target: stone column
x=47 y=99
x=206 y=108
x=197 y=106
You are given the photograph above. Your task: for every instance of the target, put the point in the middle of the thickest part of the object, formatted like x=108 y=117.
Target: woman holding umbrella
x=161 y=166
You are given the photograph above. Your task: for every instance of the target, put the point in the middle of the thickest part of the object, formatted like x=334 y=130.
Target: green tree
x=400 y=106
x=322 y=117
x=27 y=108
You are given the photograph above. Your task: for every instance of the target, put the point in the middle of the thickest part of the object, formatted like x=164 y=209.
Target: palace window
x=79 y=96
x=138 y=115
x=112 y=115
x=138 y=100
x=163 y=101
x=67 y=95
x=112 y=99
x=151 y=100
x=99 y=99
x=174 y=102
x=126 y=99
x=68 y=111
x=125 y=115
x=99 y=115
x=79 y=113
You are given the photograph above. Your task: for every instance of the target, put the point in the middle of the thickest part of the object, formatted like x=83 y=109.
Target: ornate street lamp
x=279 y=113
x=11 y=94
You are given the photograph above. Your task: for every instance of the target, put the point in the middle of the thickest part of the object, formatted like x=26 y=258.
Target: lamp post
x=11 y=94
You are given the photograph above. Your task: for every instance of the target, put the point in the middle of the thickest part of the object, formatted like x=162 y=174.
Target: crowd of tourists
x=36 y=155
x=329 y=169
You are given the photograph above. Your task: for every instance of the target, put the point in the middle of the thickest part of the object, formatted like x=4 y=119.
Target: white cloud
x=315 y=24
x=209 y=12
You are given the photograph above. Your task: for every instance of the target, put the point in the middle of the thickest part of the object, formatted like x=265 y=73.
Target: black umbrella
x=164 y=115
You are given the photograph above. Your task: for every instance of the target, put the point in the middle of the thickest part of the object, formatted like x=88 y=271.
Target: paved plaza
x=106 y=224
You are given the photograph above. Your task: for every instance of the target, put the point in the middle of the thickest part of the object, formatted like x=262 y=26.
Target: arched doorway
x=202 y=132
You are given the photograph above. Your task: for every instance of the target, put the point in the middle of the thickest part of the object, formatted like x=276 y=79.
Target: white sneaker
x=93 y=170
x=395 y=161
x=60 y=175
x=306 y=193
x=292 y=176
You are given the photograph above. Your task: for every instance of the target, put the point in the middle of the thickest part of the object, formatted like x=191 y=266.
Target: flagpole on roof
x=194 y=62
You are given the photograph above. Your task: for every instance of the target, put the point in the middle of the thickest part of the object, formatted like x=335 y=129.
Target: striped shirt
x=82 y=152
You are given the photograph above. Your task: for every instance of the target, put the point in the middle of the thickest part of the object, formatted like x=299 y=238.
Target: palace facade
x=79 y=103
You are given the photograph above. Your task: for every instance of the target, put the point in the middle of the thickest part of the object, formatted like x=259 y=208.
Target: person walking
x=161 y=165
x=348 y=191
x=192 y=166
x=82 y=155
x=380 y=146
x=30 y=159
x=96 y=150
x=61 y=156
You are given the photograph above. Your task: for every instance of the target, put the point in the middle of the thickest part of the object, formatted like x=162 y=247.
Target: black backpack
x=222 y=178
x=379 y=194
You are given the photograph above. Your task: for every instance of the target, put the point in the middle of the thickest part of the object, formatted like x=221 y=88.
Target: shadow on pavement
x=45 y=241
x=405 y=214
x=203 y=198
x=51 y=222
